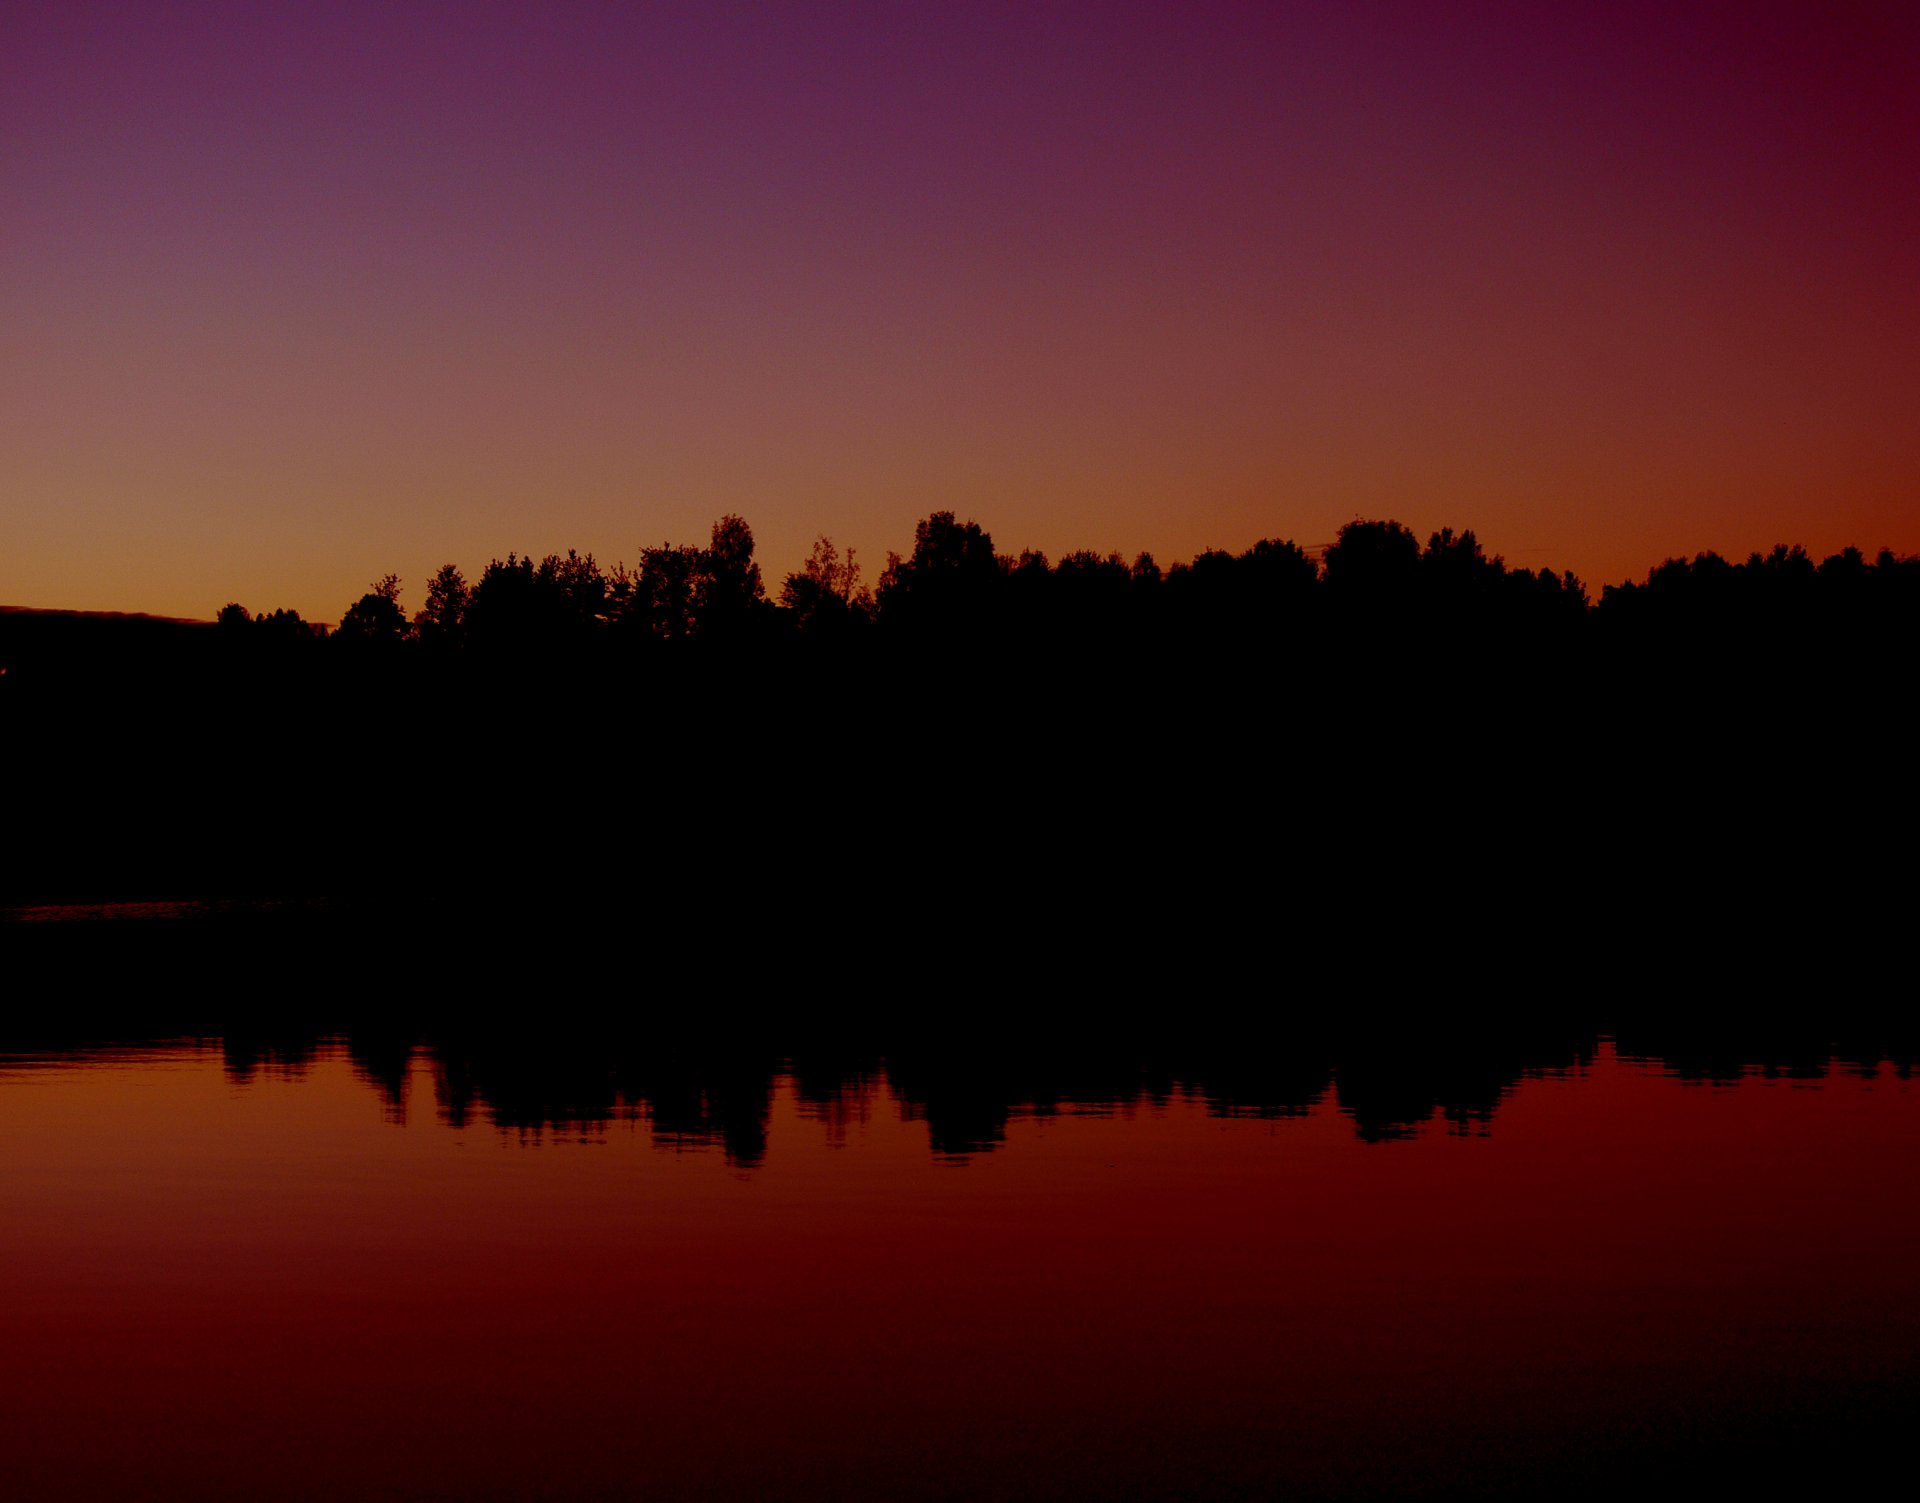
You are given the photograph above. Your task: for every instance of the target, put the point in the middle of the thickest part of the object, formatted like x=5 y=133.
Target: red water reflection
x=221 y=1291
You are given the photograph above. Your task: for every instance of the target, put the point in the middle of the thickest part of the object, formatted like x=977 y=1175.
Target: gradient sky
x=295 y=295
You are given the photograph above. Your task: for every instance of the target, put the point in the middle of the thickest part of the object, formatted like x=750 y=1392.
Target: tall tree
x=444 y=617
x=376 y=616
x=728 y=593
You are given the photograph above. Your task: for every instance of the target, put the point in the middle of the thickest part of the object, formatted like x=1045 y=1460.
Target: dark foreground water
x=390 y=1266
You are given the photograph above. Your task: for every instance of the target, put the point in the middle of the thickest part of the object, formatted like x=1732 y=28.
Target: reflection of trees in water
x=705 y=1094
x=571 y=1085
x=247 y=1054
x=383 y=1060
x=1772 y=1051
x=1390 y=1092
x=836 y=1087
x=712 y=1095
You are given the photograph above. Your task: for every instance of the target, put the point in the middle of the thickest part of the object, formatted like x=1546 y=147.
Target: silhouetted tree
x=1280 y=568
x=1240 y=603
x=728 y=597
x=1375 y=561
x=826 y=594
x=1456 y=563
x=287 y=626
x=664 y=592
x=442 y=620
x=501 y=611
x=950 y=579
x=573 y=591
x=376 y=616
x=1091 y=596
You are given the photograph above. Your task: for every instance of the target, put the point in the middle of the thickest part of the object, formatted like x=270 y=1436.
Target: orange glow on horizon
x=295 y=301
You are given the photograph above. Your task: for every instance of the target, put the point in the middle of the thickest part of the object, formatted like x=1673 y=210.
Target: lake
x=395 y=1264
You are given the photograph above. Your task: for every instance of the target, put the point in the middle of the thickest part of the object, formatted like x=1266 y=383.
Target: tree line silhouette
x=982 y=761
x=1375 y=597
x=954 y=588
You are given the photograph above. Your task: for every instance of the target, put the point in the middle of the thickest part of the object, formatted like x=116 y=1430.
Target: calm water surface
x=385 y=1271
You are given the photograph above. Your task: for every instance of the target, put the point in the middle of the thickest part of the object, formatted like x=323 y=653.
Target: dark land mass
x=1390 y=765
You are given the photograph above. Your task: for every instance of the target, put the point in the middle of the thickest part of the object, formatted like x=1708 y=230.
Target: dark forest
x=1086 y=765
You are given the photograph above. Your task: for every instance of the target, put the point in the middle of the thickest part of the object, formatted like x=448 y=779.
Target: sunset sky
x=292 y=296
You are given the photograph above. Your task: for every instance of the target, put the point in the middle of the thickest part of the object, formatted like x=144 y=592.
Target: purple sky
x=295 y=295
